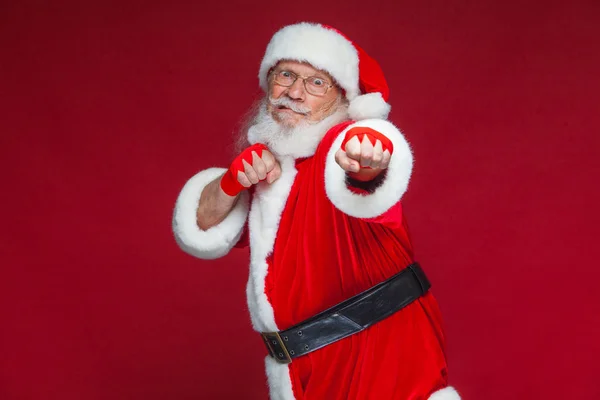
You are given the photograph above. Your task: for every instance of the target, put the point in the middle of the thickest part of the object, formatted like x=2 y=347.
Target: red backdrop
x=107 y=109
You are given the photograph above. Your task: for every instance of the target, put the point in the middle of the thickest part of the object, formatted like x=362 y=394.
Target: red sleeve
x=392 y=218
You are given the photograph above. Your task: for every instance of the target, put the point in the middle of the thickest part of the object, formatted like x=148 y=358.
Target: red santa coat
x=314 y=243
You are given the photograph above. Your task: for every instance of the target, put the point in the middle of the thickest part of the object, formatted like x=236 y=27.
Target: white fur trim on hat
x=322 y=48
x=216 y=241
x=370 y=105
x=388 y=193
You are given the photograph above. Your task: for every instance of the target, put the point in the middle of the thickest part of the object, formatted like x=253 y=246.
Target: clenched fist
x=364 y=153
x=253 y=165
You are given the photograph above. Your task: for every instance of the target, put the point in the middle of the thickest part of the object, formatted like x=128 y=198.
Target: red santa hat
x=327 y=49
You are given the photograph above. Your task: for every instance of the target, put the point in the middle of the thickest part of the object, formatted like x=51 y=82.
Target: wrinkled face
x=291 y=105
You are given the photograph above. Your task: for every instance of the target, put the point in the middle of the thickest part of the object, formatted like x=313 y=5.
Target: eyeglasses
x=313 y=84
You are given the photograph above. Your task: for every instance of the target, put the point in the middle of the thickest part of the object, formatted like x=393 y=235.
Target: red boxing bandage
x=371 y=134
x=229 y=181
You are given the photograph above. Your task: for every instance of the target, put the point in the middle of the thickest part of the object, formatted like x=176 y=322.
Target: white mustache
x=286 y=102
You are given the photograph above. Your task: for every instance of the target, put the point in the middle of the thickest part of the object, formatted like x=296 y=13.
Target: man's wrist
x=221 y=193
x=365 y=174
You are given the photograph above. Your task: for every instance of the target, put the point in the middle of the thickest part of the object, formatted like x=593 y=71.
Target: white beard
x=298 y=141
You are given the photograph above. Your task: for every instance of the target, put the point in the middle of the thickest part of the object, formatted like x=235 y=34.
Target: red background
x=107 y=109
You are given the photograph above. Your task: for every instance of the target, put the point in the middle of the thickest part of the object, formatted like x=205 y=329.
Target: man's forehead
x=302 y=68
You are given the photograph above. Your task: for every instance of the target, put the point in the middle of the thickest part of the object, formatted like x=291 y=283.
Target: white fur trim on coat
x=323 y=48
x=268 y=203
x=216 y=241
x=388 y=193
x=278 y=378
x=447 y=393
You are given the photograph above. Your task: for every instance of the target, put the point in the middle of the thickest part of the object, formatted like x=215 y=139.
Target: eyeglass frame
x=273 y=73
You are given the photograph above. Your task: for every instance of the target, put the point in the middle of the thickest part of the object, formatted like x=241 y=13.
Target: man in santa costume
x=333 y=288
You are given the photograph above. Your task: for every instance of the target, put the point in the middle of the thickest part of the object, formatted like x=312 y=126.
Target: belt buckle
x=276 y=347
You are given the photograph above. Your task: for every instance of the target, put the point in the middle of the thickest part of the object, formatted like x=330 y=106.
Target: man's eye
x=318 y=82
x=285 y=74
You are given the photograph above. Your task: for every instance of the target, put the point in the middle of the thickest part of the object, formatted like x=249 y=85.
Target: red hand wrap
x=371 y=134
x=229 y=181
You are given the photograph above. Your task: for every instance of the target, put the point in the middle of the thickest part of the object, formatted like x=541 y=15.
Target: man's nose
x=296 y=91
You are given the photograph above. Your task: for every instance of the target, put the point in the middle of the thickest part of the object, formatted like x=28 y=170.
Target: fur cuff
x=216 y=241
x=388 y=193
x=447 y=393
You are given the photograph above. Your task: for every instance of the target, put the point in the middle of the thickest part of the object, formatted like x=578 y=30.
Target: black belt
x=349 y=317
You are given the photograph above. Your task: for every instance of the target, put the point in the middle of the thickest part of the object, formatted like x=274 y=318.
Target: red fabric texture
x=317 y=265
x=229 y=181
